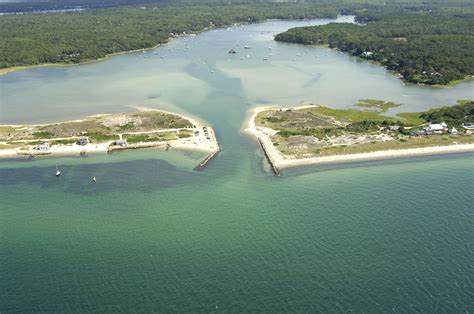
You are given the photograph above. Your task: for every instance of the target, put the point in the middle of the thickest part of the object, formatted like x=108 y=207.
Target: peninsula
x=106 y=133
x=317 y=135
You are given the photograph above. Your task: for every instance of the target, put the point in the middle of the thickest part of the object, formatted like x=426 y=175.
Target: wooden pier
x=275 y=170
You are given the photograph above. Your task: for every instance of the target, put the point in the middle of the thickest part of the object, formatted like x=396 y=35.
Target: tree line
x=427 y=46
x=73 y=37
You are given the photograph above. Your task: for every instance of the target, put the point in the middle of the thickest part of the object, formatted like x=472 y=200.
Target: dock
x=275 y=170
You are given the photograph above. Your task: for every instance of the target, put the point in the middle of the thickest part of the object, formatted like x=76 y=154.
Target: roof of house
x=435 y=127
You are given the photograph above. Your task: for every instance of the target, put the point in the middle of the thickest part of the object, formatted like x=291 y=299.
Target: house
x=468 y=125
x=83 y=140
x=435 y=128
x=453 y=130
x=394 y=127
x=122 y=143
x=443 y=124
x=43 y=147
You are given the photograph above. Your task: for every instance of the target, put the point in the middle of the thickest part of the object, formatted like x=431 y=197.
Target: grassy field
x=98 y=128
x=156 y=137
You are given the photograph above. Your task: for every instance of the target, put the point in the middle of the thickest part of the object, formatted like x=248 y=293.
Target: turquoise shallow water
x=149 y=236
x=154 y=235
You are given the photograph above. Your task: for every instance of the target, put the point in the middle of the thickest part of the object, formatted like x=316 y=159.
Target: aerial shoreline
x=4 y=71
x=194 y=142
x=278 y=160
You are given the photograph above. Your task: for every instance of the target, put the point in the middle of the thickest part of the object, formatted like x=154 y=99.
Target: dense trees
x=50 y=5
x=73 y=37
x=431 y=46
x=453 y=115
x=426 y=41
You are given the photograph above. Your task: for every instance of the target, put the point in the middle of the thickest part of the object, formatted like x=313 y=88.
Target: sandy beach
x=282 y=161
x=195 y=142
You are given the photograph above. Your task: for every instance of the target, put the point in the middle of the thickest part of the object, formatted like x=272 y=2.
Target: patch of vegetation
x=155 y=137
x=411 y=118
x=275 y=119
x=127 y=126
x=378 y=104
x=43 y=134
x=96 y=137
x=63 y=142
x=364 y=126
x=345 y=115
x=184 y=134
x=319 y=133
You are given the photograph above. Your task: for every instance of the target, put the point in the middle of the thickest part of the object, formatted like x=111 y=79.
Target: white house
x=453 y=130
x=435 y=128
x=43 y=147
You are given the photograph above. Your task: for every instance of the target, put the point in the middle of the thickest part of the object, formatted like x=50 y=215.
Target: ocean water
x=154 y=235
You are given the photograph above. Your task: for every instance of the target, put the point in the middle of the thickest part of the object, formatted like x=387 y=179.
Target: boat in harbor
x=58 y=173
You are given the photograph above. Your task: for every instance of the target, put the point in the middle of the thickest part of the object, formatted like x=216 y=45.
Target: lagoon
x=154 y=235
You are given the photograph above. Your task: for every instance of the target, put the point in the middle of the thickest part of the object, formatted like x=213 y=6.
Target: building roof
x=436 y=127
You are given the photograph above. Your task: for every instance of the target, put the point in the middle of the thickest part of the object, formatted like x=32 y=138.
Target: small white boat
x=265 y=59
x=246 y=47
x=58 y=173
x=93 y=179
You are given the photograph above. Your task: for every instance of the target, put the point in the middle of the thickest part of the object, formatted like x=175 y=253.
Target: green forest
x=73 y=37
x=426 y=46
x=426 y=41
